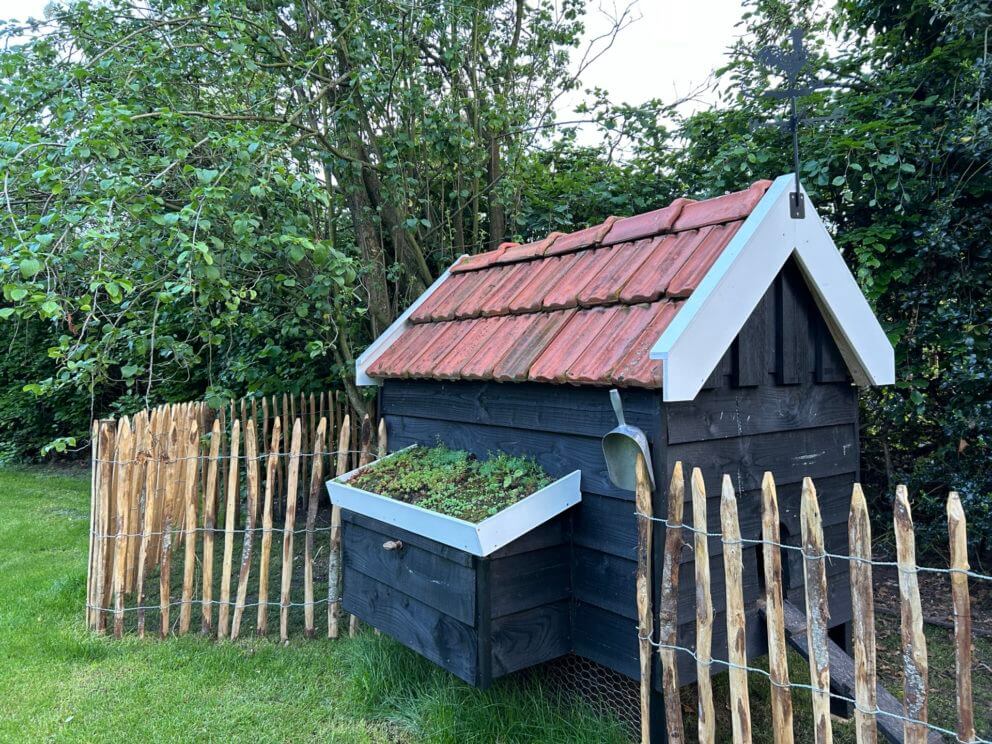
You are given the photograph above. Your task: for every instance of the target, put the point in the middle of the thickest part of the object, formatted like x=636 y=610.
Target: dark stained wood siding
x=779 y=400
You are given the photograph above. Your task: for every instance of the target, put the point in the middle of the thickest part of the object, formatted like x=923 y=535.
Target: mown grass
x=59 y=682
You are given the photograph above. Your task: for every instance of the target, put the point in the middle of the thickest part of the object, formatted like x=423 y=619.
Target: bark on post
x=191 y=468
x=958 y=537
x=124 y=458
x=862 y=618
x=271 y=470
x=224 y=610
x=251 y=470
x=316 y=478
x=292 y=483
x=643 y=584
x=704 y=613
x=740 y=705
x=914 y=643
x=817 y=614
x=209 y=525
x=668 y=612
x=334 y=554
x=778 y=660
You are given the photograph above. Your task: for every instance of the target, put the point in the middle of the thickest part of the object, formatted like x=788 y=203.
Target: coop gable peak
x=653 y=300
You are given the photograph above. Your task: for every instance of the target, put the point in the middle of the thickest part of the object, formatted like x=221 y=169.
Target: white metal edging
x=388 y=336
x=703 y=329
x=479 y=539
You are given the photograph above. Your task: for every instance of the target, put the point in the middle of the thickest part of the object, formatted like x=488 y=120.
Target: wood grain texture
x=704 y=613
x=958 y=540
x=209 y=526
x=251 y=517
x=862 y=618
x=816 y=614
x=152 y=466
x=740 y=705
x=643 y=590
x=224 y=609
x=165 y=561
x=124 y=457
x=313 y=502
x=914 y=642
x=334 y=552
x=289 y=526
x=668 y=610
x=778 y=661
x=271 y=477
x=191 y=493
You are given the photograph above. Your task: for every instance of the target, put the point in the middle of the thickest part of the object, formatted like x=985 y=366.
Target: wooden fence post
x=704 y=613
x=223 y=611
x=643 y=584
x=191 y=465
x=958 y=538
x=316 y=478
x=271 y=469
x=740 y=705
x=165 y=562
x=152 y=467
x=334 y=554
x=914 y=643
x=251 y=468
x=104 y=545
x=815 y=575
x=209 y=526
x=668 y=612
x=292 y=482
x=778 y=660
x=862 y=618
x=125 y=462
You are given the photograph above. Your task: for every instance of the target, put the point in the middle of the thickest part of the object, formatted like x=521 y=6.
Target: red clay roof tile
x=624 y=262
x=585 y=266
x=607 y=349
x=504 y=337
x=553 y=363
x=543 y=328
x=636 y=368
x=646 y=225
x=627 y=293
x=579 y=239
x=528 y=250
x=667 y=254
x=702 y=258
x=726 y=208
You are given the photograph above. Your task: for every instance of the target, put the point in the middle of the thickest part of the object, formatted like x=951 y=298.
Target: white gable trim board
x=702 y=331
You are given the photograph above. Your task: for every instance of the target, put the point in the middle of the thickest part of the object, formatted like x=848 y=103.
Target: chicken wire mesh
x=608 y=692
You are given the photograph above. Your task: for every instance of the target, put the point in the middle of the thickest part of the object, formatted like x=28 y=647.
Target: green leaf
x=30 y=267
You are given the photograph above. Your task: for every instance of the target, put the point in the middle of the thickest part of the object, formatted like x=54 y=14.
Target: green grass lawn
x=59 y=682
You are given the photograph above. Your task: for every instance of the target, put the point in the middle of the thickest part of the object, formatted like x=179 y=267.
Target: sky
x=671 y=48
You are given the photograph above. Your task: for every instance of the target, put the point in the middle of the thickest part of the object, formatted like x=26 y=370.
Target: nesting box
x=737 y=337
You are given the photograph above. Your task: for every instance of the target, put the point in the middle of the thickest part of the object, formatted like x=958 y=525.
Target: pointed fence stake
x=862 y=618
x=209 y=526
x=643 y=584
x=334 y=555
x=817 y=613
x=316 y=481
x=914 y=643
x=958 y=534
x=124 y=457
x=251 y=468
x=706 y=718
x=668 y=612
x=271 y=474
x=740 y=706
x=231 y=516
x=778 y=660
x=292 y=483
x=191 y=467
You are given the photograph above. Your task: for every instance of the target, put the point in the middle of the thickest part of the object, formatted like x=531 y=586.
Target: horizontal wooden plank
x=608 y=581
x=426 y=576
x=546 y=535
x=558 y=454
x=729 y=412
x=563 y=409
x=527 y=580
x=790 y=455
x=532 y=637
x=434 y=635
x=408 y=538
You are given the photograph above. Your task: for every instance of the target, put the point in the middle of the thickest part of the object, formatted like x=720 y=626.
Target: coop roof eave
x=696 y=339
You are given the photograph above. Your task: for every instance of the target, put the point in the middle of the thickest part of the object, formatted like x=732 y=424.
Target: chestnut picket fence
x=219 y=492
x=876 y=712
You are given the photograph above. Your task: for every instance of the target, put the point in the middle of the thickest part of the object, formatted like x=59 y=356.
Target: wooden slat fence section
x=188 y=485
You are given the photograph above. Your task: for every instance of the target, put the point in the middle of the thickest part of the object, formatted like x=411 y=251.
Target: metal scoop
x=621 y=447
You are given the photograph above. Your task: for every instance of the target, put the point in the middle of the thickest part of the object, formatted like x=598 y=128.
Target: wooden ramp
x=842 y=676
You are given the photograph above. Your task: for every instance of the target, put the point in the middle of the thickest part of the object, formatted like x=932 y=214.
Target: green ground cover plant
x=454 y=482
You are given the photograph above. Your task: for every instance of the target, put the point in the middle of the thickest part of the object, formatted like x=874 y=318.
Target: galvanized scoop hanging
x=621 y=447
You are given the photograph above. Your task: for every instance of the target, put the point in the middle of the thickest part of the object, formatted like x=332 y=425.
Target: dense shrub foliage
x=236 y=197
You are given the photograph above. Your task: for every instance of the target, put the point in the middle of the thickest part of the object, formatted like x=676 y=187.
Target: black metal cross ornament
x=790 y=64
